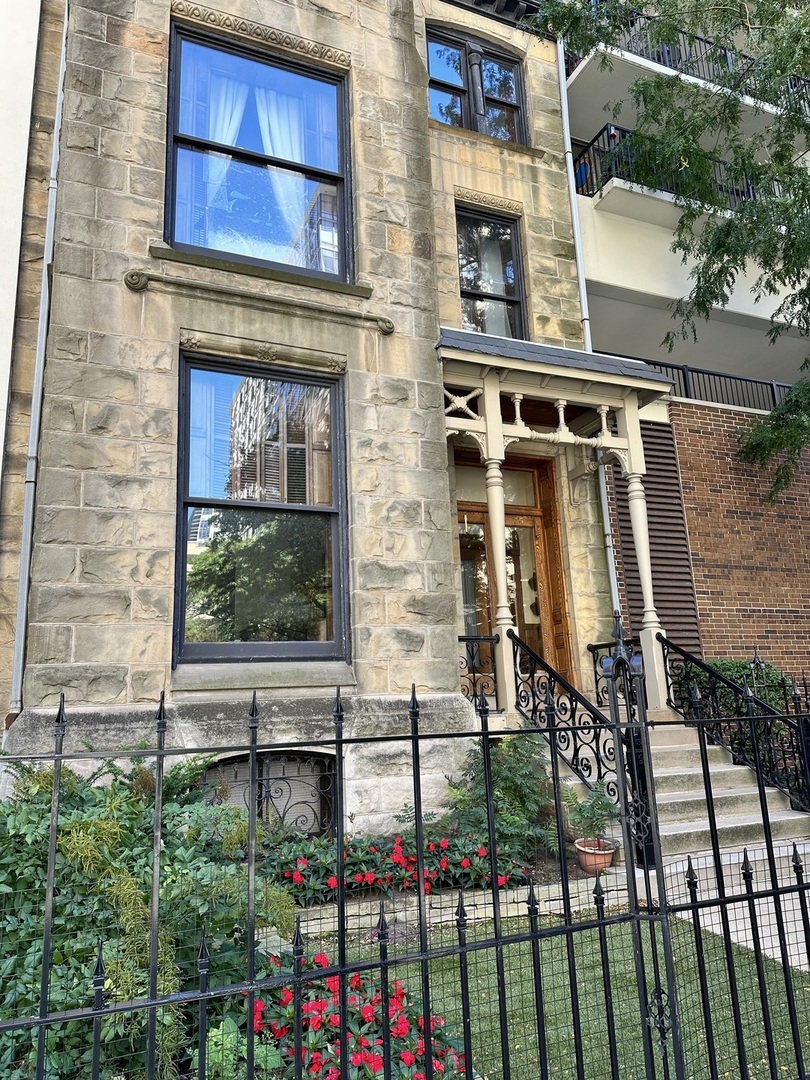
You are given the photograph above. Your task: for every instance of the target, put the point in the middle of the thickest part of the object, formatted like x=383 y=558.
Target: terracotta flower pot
x=595 y=855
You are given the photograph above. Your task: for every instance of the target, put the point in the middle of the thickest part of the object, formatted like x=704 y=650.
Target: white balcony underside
x=633 y=277
x=594 y=90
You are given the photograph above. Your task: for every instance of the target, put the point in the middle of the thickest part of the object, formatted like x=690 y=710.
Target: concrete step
x=669 y=757
x=688 y=806
x=670 y=734
x=735 y=831
x=731 y=862
x=723 y=777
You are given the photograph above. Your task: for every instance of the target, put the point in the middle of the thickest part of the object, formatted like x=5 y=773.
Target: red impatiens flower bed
x=321 y=1051
x=308 y=865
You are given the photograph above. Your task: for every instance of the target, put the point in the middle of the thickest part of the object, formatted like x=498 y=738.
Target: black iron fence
x=778 y=744
x=721 y=388
x=161 y=916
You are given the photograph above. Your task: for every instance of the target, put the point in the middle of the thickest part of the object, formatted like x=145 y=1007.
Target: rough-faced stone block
x=50 y=644
x=144 y=644
x=82 y=684
x=127 y=492
x=125 y=565
x=379 y=574
x=89 y=453
x=65 y=526
x=79 y=604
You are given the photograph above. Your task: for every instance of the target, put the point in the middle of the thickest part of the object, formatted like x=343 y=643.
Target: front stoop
x=681 y=798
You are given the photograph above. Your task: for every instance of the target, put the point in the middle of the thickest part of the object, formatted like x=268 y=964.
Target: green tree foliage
x=264 y=577
x=685 y=129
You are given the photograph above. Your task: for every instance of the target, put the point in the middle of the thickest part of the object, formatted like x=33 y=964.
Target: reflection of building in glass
x=279 y=449
x=316 y=242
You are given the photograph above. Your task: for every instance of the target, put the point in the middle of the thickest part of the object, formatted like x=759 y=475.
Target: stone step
x=723 y=778
x=731 y=861
x=733 y=831
x=668 y=757
x=672 y=735
x=688 y=806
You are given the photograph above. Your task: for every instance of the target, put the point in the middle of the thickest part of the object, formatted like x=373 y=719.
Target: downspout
x=610 y=551
x=37 y=393
x=572 y=195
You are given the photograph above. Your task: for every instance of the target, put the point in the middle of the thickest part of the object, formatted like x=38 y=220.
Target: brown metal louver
x=673 y=584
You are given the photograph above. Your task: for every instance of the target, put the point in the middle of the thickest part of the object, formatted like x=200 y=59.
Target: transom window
x=471 y=87
x=260 y=530
x=489 y=275
x=259 y=167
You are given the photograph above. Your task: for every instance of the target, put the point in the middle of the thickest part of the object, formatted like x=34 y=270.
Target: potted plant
x=589 y=819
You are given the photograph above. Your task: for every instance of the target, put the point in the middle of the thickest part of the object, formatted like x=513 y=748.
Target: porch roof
x=526 y=355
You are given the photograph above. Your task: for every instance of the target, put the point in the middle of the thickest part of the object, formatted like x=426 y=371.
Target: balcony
x=698 y=58
x=611 y=155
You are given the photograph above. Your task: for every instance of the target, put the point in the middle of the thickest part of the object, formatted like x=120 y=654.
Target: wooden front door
x=533 y=558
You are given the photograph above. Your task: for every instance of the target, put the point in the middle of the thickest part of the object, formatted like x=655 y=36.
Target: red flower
x=368 y=877
x=431 y=846
x=332 y=882
x=355 y=982
x=333 y=983
x=297 y=877
x=407 y=1057
x=286 y=995
x=334 y=1019
x=482 y=852
x=301 y=861
x=321 y=960
x=258 y=1009
x=465 y=862
x=444 y=844
x=367 y=1013
x=502 y=879
x=400 y=1028
x=443 y=862
x=372 y=849
x=357 y=1058
x=278 y=1030
x=375 y=1062
x=428 y=887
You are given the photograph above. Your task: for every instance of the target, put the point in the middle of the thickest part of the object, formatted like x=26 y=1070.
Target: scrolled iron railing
x=477 y=667
x=600 y=651
x=778 y=744
x=545 y=699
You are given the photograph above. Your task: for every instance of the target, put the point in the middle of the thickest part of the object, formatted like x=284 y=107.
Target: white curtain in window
x=226 y=107
x=281 y=125
x=492 y=281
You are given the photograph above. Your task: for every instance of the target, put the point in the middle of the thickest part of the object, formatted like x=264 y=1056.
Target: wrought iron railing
x=546 y=700
x=701 y=58
x=477 y=668
x=702 y=385
x=611 y=154
x=600 y=651
x=778 y=744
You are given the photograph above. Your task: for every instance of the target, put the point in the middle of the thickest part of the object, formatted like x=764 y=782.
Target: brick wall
x=751 y=559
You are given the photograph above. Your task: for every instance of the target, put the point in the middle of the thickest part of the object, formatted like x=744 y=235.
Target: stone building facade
x=311 y=385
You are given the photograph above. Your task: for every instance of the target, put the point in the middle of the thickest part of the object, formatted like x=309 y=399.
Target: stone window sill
x=160 y=250
x=223 y=678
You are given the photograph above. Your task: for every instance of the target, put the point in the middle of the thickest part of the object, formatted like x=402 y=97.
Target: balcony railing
x=699 y=57
x=699 y=384
x=612 y=155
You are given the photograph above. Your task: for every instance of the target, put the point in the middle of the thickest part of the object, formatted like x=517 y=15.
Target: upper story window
x=260 y=531
x=258 y=160
x=473 y=87
x=489 y=275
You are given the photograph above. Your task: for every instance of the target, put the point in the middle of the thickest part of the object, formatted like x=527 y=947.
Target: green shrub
x=103 y=887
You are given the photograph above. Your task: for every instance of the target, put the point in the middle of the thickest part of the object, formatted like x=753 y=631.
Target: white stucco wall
x=17 y=58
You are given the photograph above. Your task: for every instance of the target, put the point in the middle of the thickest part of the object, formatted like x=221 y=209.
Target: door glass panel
x=521 y=575
x=518 y=486
x=474 y=579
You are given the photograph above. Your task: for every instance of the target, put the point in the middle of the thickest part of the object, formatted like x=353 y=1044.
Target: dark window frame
x=176 y=140
x=473 y=98
x=518 y=302
x=246 y=652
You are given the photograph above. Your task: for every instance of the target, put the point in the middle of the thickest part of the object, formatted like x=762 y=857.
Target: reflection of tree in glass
x=264 y=577
x=485 y=260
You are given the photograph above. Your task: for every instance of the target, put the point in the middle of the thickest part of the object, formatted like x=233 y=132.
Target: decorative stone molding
x=491 y=202
x=272 y=352
x=141 y=280
x=279 y=39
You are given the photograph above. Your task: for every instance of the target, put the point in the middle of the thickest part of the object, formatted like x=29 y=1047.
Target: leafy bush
x=522 y=799
x=103 y=885
x=770 y=687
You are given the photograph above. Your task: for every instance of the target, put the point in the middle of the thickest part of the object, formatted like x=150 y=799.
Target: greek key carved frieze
x=280 y=39
x=492 y=202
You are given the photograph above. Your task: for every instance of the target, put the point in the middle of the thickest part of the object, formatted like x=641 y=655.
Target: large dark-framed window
x=261 y=525
x=258 y=158
x=490 y=277
x=473 y=86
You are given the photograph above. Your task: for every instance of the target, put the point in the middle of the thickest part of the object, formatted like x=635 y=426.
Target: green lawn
x=558 y=1025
